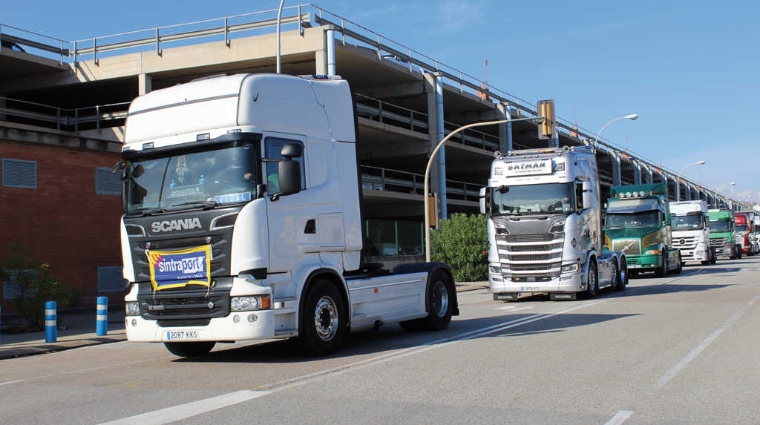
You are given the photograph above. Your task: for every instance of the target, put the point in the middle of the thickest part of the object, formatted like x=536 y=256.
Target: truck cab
x=691 y=231
x=638 y=223
x=722 y=233
x=746 y=238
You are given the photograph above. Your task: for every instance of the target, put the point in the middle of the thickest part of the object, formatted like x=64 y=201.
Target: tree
x=461 y=241
x=36 y=286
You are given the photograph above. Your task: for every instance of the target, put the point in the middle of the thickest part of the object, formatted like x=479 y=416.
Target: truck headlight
x=652 y=252
x=133 y=308
x=558 y=226
x=571 y=268
x=494 y=269
x=250 y=303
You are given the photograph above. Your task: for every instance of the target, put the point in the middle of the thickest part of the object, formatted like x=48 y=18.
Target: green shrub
x=462 y=242
x=37 y=285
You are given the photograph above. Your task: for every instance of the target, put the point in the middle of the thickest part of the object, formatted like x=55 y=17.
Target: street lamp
x=722 y=186
x=430 y=162
x=279 y=20
x=631 y=117
x=678 y=178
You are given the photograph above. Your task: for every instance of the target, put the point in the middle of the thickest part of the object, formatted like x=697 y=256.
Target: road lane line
x=673 y=371
x=188 y=410
x=619 y=417
x=11 y=382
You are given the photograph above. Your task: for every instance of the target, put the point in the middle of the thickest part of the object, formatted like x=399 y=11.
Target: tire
x=323 y=320
x=615 y=275
x=680 y=265
x=738 y=253
x=713 y=256
x=190 y=349
x=663 y=270
x=440 y=296
x=622 y=279
x=592 y=277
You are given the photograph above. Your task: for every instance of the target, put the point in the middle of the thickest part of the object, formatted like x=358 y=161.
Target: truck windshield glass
x=687 y=222
x=639 y=219
x=720 y=226
x=226 y=174
x=741 y=228
x=550 y=198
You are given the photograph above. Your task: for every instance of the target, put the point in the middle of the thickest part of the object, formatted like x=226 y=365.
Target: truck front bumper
x=643 y=263
x=238 y=326
x=513 y=288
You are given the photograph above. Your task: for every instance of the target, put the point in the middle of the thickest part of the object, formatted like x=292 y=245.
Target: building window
x=19 y=173
x=110 y=279
x=107 y=182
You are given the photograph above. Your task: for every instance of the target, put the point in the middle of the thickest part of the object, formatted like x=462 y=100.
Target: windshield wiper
x=206 y=205
x=147 y=211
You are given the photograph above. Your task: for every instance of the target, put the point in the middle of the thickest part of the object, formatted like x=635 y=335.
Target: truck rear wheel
x=680 y=264
x=190 y=349
x=713 y=256
x=439 y=295
x=323 y=320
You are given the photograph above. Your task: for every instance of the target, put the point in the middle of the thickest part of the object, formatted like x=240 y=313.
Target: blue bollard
x=51 y=321
x=101 y=323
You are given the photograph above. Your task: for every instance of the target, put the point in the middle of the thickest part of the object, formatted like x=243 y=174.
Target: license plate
x=181 y=335
x=530 y=289
x=634 y=266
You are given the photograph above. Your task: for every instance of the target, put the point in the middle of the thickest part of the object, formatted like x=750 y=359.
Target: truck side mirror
x=484 y=198
x=288 y=170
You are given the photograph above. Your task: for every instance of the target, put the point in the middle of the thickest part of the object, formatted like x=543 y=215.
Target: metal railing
x=389 y=180
x=64 y=119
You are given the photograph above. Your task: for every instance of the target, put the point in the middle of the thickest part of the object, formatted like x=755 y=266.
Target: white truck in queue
x=691 y=231
x=544 y=226
x=243 y=220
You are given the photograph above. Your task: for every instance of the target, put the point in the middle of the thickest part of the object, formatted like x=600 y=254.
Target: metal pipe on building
x=330 y=41
x=279 y=21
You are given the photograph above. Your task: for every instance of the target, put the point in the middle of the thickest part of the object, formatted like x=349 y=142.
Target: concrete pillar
x=616 y=175
x=434 y=89
x=636 y=173
x=145 y=83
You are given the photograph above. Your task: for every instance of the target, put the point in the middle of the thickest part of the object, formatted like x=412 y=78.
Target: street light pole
x=678 y=178
x=631 y=117
x=430 y=161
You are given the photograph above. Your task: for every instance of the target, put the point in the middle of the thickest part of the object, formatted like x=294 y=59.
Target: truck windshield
x=639 y=219
x=720 y=226
x=549 y=198
x=219 y=175
x=741 y=228
x=687 y=222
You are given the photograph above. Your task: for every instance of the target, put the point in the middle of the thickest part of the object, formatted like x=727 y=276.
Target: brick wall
x=63 y=222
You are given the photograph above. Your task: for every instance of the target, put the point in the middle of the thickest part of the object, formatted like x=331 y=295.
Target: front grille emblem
x=210 y=305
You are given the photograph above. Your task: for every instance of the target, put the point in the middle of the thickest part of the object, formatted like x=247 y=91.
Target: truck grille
x=531 y=255
x=686 y=242
x=718 y=243
x=186 y=304
x=629 y=246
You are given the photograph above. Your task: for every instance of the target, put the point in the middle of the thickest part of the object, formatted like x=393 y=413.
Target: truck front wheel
x=662 y=271
x=622 y=280
x=323 y=320
x=592 y=279
x=190 y=349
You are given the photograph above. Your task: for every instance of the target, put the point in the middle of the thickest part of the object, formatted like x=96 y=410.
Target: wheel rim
x=326 y=318
x=614 y=275
x=592 y=280
x=440 y=301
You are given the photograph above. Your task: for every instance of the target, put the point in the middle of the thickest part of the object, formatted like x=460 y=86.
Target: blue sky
x=690 y=69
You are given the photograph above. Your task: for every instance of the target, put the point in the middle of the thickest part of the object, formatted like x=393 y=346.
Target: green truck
x=637 y=222
x=722 y=233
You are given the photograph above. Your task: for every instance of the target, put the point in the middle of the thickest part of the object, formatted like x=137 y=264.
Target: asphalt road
x=677 y=350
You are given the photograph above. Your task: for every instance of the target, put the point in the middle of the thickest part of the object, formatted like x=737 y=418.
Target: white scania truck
x=544 y=226
x=243 y=220
x=691 y=231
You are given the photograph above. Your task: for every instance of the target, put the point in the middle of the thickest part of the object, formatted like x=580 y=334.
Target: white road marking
x=673 y=371
x=514 y=308
x=11 y=382
x=187 y=410
x=619 y=417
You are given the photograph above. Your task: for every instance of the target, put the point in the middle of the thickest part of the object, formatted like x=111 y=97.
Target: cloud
x=455 y=15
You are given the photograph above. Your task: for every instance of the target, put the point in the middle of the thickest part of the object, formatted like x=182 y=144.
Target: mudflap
x=506 y=296
x=569 y=296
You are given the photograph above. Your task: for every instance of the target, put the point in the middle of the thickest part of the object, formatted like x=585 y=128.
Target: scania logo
x=172 y=225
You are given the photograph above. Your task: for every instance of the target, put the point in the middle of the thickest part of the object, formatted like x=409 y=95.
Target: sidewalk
x=80 y=331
